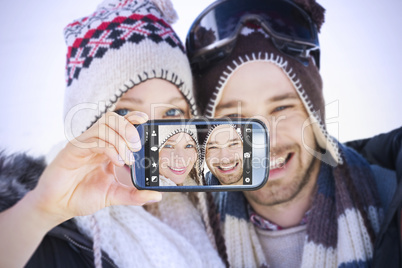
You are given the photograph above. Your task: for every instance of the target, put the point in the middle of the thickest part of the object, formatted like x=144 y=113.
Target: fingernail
x=136 y=146
x=134 y=139
x=153 y=201
x=120 y=159
x=144 y=115
x=131 y=159
x=137 y=113
x=156 y=199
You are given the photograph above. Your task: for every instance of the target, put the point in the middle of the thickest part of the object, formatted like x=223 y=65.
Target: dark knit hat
x=122 y=44
x=254 y=45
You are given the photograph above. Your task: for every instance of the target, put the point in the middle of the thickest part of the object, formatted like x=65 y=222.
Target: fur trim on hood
x=19 y=173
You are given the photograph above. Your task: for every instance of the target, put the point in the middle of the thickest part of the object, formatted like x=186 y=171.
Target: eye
x=234 y=144
x=174 y=112
x=234 y=115
x=122 y=112
x=212 y=147
x=280 y=108
x=168 y=146
x=189 y=145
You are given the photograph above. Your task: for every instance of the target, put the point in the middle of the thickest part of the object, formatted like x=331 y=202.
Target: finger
x=105 y=138
x=104 y=142
x=68 y=156
x=123 y=126
x=118 y=129
x=136 y=117
x=123 y=195
x=120 y=145
x=131 y=134
x=109 y=139
x=110 y=151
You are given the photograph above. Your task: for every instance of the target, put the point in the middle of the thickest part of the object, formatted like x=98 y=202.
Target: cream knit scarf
x=133 y=237
x=341 y=228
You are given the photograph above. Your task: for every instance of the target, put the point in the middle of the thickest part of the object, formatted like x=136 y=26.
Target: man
x=224 y=156
x=321 y=207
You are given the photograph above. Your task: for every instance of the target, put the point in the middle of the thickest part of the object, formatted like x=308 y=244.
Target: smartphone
x=202 y=155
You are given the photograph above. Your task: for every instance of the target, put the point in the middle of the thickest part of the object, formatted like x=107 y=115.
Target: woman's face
x=177 y=157
x=159 y=99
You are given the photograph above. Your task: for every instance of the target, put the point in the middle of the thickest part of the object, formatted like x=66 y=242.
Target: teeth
x=228 y=167
x=277 y=163
x=177 y=169
x=280 y=162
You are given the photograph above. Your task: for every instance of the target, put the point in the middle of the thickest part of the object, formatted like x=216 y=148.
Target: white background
x=361 y=65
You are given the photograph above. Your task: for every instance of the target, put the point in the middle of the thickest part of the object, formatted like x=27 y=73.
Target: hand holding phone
x=202 y=155
x=86 y=169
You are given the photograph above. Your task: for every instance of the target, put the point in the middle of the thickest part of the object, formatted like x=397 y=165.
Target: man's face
x=262 y=90
x=224 y=155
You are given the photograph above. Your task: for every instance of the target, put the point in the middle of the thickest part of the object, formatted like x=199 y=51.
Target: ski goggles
x=213 y=34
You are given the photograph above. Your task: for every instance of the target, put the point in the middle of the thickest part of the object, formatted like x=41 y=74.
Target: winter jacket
x=63 y=246
x=386 y=150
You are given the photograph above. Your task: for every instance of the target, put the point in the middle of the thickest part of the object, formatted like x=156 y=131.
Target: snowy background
x=361 y=65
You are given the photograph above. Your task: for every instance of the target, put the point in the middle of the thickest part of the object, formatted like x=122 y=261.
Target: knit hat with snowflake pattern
x=122 y=44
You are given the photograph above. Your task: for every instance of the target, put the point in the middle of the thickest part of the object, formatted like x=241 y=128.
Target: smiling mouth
x=280 y=162
x=178 y=171
x=228 y=168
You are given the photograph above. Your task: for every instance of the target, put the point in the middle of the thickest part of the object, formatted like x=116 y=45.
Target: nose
x=273 y=125
x=226 y=155
x=181 y=156
x=178 y=153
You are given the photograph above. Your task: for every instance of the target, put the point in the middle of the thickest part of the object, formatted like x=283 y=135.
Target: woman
x=179 y=156
x=124 y=63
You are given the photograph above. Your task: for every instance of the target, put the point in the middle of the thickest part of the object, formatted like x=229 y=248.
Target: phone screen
x=197 y=154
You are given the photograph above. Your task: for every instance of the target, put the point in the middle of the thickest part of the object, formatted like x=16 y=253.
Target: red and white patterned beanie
x=122 y=44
